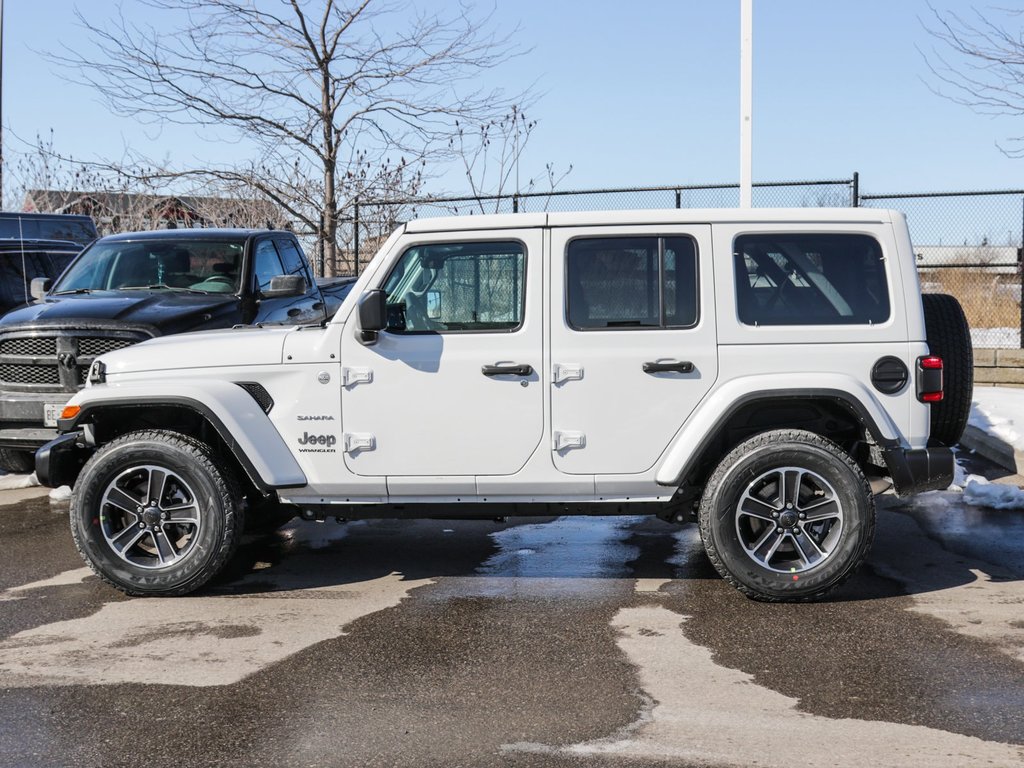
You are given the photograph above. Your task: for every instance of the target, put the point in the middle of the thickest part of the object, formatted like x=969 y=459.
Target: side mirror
x=433 y=305
x=373 y=315
x=40 y=286
x=283 y=286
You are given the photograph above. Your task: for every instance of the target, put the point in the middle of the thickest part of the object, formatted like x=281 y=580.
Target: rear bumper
x=914 y=470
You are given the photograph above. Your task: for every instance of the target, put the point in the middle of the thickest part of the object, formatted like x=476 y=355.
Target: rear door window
x=810 y=279
x=631 y=282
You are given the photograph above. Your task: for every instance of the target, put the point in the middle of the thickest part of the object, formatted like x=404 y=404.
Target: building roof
x=99 y=204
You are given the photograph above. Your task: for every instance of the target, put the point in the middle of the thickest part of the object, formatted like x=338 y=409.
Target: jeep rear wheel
x=949 y=337
x=153 y=514
x=787 y=516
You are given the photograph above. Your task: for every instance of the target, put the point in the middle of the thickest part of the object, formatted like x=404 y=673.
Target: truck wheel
x=787 y=516
x=17 y=462
x=153 y=514
x=949 y=337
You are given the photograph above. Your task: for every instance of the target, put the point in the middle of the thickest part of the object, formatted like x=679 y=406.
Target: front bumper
x=21 y=418
x=914 y=470
x=59 y=461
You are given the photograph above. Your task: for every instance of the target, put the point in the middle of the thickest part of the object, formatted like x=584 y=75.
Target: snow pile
x=11 y=482
x=981 y=493
x=61 y=494
x=1000 y=412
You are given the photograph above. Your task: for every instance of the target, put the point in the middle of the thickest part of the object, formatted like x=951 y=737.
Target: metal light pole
x=746 y=100
x=1 y=104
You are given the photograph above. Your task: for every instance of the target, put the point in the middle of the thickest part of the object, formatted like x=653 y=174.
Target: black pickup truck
x=127 y=288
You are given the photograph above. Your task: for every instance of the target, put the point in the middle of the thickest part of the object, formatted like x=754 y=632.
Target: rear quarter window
x=810 y=279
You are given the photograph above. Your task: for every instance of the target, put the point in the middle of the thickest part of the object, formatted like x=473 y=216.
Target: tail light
x=929 y=379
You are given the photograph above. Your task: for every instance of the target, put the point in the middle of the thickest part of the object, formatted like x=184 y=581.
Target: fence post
x=355 y=226
x=320 y=246
x=856 y=189
x=1020 y=273
x=679 y=198
x=515 y=203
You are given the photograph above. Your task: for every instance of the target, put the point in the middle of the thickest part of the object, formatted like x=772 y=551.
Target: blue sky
x=643 y=93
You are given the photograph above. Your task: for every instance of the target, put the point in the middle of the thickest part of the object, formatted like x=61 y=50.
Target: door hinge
x=352 y=376
x=359 y=441
x=565 y=441
x=560 y=373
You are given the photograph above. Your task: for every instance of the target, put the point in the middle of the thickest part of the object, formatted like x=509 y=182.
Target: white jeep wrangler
x=764 y=370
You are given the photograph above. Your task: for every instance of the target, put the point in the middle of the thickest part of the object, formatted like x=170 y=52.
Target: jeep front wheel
x=787 y=516
x=153 y=514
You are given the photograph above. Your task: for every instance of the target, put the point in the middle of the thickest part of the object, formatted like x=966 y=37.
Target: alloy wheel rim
x=150 y=517
x=789 y=520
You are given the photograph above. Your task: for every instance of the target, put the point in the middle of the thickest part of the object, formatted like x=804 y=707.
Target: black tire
x=738 y=510
x=17 y=462
x=949 y=337
x=187 y=519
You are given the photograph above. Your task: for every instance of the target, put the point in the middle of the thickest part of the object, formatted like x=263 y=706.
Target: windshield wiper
x=73 y=290
x=160 y=287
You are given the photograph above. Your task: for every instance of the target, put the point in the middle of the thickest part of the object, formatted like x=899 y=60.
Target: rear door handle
x=669 y=366
x=507 y=369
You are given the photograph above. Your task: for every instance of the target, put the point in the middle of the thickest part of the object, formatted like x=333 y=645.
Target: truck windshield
x=186 y=265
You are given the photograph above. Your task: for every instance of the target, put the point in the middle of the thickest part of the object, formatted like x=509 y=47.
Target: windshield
x=208 y=266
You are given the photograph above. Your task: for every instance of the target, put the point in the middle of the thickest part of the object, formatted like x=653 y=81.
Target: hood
x=162 y=311
x=245 y=345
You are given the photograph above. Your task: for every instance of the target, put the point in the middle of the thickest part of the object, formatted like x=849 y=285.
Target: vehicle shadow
x=920 y=547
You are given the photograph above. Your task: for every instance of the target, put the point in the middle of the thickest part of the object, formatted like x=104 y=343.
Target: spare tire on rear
x=949 y=337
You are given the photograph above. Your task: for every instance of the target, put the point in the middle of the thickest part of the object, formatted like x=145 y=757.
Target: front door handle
x=669 y=366
x=507 y=369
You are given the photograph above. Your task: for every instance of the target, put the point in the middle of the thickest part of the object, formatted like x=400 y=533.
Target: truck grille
x=94 y=346
x=29 y=374
x=29 y=346
x=56 y=360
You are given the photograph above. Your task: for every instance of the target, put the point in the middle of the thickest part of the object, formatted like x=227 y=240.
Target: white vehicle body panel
x=254 y=435
x=625 y=417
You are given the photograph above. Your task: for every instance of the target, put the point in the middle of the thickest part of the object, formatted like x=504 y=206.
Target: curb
x=993 y=449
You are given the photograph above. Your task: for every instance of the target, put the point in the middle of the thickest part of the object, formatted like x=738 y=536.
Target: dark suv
x=47 y=226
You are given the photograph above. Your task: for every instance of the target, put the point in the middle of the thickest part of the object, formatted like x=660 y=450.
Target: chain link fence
x=967 y=244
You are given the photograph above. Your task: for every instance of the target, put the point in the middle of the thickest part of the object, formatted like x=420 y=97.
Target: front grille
x=30 y=346
x=56 y=359
x=29 y=374
x=94 y=346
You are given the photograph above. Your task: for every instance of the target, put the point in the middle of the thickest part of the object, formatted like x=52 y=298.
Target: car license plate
x=51 y=412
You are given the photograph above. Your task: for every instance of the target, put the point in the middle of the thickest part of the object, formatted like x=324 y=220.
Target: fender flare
x=239 y=420
x=720 y=405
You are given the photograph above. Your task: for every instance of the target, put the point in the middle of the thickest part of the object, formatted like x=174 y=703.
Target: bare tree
x=127 y=198
x=981 y=62
x=491 y=155
x=337 y=99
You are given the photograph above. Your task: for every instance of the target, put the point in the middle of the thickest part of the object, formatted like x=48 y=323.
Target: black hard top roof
x=29 y=244
x=38 y=215
x=188 y=233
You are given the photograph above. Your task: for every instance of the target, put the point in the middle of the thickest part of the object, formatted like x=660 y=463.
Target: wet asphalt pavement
x=567 y=642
